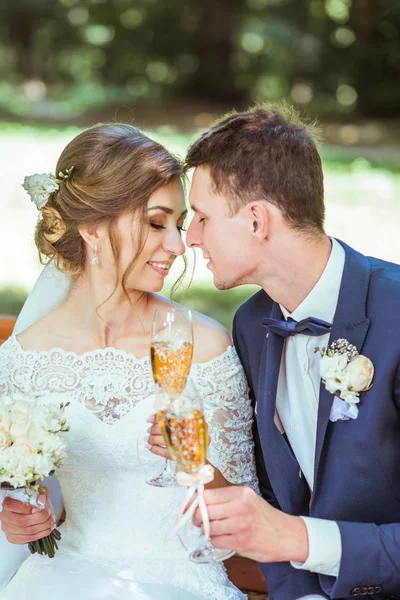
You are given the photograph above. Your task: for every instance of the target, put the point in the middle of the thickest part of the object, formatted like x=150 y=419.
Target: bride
x=111 y=228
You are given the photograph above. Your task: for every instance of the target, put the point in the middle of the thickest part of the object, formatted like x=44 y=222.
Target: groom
x=328 y=522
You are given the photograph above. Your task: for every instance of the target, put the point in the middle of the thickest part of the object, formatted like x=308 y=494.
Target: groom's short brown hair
x=268 y=153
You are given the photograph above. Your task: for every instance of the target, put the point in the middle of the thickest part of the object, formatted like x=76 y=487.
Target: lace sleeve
x=229 y=416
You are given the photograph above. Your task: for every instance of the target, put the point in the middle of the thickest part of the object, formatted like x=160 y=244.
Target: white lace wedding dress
x=112 y=543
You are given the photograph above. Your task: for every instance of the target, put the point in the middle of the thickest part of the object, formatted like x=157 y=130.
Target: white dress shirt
x=297 y=406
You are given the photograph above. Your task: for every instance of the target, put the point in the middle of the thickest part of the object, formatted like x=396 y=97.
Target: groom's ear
x=259 y=218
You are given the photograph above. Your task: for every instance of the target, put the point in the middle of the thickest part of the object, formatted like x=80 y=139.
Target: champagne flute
x=171 y=351
x=185 y=431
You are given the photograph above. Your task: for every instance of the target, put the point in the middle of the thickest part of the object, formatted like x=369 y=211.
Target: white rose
x=360 y=372
x=332 y=366
x=22 y=407
x=20 y=426
x=39 y=187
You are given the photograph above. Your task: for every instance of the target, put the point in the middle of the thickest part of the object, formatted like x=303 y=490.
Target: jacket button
x=356 y=591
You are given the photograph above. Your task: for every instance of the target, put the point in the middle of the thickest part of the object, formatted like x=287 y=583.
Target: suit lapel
x=351 y=323
x=291 y=491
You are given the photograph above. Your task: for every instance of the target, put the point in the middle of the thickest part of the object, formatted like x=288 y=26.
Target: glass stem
x=169 y=469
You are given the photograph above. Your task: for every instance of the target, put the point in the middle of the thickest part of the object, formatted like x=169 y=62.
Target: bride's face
x=160 y=236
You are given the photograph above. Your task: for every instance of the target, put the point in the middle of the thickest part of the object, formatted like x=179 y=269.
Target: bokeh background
x=172 y=67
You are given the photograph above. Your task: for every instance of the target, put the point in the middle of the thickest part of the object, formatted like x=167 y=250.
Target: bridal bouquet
x=31 y=448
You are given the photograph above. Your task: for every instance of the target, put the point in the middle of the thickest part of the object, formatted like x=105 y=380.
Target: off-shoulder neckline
x=110 y=349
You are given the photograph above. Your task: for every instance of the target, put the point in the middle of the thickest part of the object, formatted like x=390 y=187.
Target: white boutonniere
x=346 y=374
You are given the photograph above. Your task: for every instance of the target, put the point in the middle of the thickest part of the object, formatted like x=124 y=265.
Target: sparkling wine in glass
x=185 y=432
x=171 y=365
x=171 y=351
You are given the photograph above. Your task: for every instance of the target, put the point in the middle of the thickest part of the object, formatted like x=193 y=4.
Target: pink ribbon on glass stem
x=195 y=483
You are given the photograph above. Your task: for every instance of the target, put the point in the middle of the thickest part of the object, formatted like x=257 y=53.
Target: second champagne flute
x=171 y=351
x=185 y=431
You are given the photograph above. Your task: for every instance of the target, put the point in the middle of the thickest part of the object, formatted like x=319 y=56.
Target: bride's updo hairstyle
x=116 y=168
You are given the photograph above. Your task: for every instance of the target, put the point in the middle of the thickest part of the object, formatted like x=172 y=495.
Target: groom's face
x=224 y=239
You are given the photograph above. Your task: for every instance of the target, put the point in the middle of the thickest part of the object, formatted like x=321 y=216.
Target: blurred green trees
x=59 y=57
x=12 y=298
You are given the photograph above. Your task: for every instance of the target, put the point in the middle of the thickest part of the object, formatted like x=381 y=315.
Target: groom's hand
x=23 y=523
x=155 y=441
x=242 y=521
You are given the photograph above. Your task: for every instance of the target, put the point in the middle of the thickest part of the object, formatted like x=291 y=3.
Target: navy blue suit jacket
x=357 y=462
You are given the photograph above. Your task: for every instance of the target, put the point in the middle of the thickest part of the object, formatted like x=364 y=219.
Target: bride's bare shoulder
x=43 y=334
x=210 y=337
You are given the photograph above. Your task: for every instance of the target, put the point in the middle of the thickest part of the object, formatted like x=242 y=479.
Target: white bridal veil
x=51 y=289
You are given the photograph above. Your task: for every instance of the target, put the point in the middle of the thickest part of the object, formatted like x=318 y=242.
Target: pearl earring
x=95 y=259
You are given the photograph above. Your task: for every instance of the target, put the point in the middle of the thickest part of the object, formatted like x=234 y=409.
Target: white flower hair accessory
x=346 y=373
x=41 y=186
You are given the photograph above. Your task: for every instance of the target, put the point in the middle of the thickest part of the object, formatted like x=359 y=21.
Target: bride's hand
x=23 y=523
x=156 y=442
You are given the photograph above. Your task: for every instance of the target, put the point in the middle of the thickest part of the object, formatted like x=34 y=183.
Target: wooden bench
x=243 y=572
x=6 y=327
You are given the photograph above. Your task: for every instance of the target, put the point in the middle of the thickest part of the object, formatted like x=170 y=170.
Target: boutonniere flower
x=346 y=374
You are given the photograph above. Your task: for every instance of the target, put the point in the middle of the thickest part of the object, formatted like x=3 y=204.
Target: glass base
x=165 y=479
x=209 y=554
x=162 y=481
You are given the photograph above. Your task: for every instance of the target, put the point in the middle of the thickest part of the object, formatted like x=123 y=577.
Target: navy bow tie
x=309 y=326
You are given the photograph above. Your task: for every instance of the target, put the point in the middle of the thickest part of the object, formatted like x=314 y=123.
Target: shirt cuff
x=324 y=548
